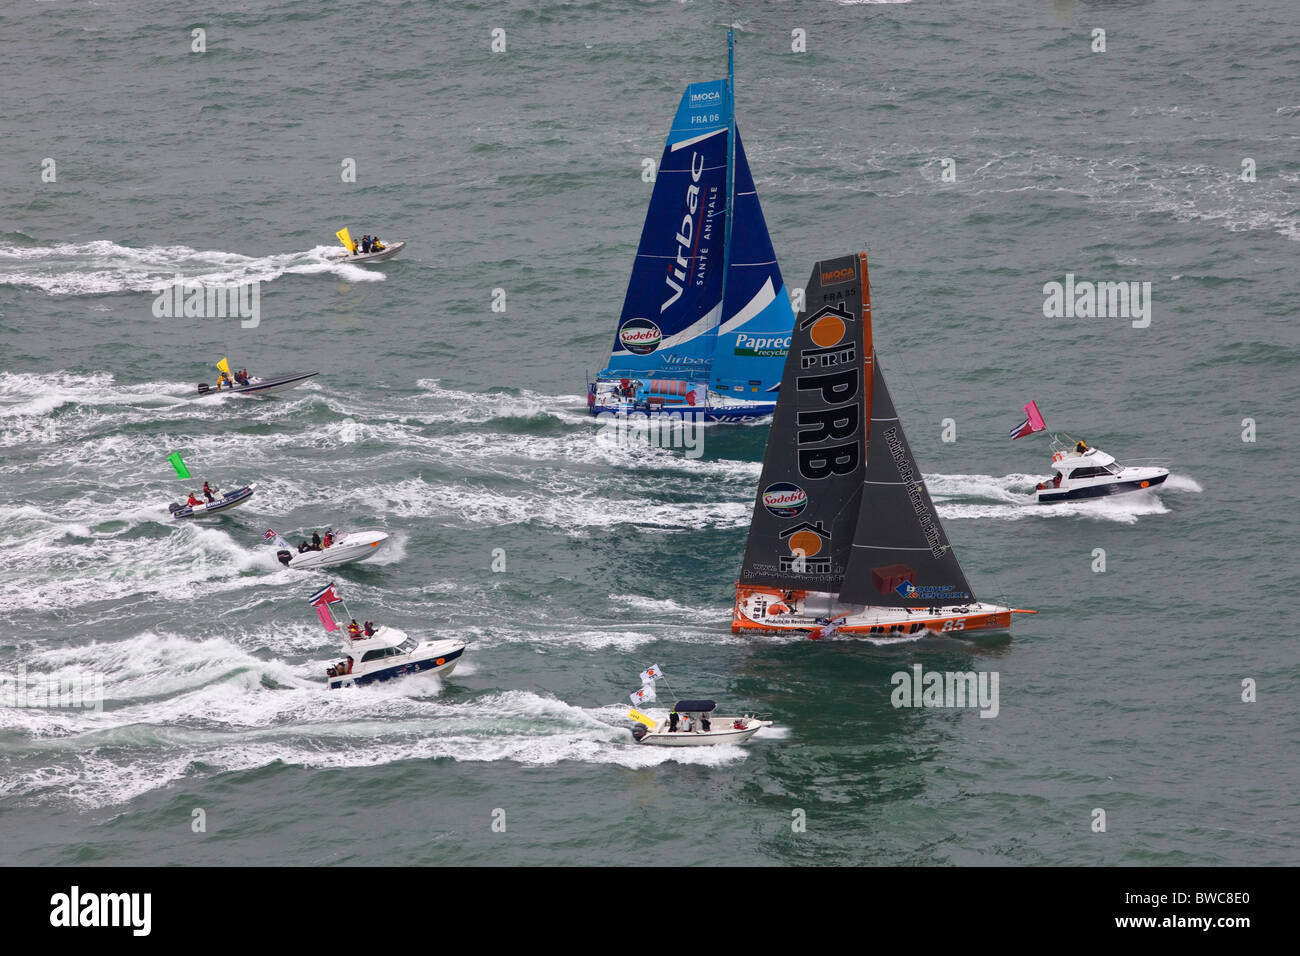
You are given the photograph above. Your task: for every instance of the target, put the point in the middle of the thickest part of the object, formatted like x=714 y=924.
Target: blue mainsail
x=674 y=297
x=754 y=335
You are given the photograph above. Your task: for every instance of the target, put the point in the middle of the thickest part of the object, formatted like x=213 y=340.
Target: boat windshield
x=408 y=645
x=1114 y=469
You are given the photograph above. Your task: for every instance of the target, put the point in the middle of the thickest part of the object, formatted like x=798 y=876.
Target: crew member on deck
x=354 y=630
x=207 y=492
x=193 y=500
x=315 y=541
x=329 y=538
x=370 y=628
x=1081 y=447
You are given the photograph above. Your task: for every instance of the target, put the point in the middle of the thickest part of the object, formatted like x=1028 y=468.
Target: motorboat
x=231 y=499
x=259 y=386
x=344 y=548
x=694 y=724
x=1083 y=472
x=389 y=653
x=387 y=252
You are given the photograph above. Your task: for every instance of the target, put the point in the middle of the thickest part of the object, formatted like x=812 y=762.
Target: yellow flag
x=224 y=366
x=346 y=238
x=642 y=719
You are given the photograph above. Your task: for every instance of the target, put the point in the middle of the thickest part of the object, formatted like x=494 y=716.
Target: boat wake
x=175 y=707
x=104 y=267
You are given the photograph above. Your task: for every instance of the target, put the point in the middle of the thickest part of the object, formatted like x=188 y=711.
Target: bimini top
x=694 y=706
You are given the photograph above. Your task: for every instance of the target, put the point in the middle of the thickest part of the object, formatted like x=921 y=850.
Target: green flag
x=181 y=470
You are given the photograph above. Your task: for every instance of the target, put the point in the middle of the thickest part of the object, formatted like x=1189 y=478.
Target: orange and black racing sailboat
x=844 y=537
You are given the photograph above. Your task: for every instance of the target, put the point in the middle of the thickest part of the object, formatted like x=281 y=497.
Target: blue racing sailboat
x=706 y=321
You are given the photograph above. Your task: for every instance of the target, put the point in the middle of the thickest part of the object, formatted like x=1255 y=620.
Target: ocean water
x=462 y=431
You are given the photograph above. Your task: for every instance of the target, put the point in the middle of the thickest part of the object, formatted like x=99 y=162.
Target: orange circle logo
x=440 y=661
x=827 y=331
x=1145 y=483
x=806 y=542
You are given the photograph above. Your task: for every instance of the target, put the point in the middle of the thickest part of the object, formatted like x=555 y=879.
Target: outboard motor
x=639 y=732
x=174 y=507
x=204 y=388
x=285 y=557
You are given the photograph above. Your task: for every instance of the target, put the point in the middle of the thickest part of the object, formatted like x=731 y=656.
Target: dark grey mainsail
x=809 y=495
x=901 y=555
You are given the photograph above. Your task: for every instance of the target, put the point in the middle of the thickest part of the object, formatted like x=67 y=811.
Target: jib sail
x=754 y=336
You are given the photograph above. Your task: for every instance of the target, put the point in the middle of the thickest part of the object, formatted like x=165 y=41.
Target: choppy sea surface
x=461 y=431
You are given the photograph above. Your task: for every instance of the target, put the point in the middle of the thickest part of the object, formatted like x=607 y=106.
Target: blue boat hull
x=1102 y=491
x=401 y=670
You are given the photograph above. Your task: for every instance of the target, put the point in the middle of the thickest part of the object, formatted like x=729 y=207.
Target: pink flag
x=326 y=618
x=1033 y=423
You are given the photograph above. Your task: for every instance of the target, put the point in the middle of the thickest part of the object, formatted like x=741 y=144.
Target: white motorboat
x=1083 y=472
x=692 y=723
x=390 y=653
x=231 y=499
x=344 y=548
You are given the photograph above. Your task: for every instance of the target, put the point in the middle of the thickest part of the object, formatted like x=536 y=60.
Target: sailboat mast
x=731 y=161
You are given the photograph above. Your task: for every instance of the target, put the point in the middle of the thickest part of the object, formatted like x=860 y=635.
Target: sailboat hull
x=700 y=404
x=770 y=609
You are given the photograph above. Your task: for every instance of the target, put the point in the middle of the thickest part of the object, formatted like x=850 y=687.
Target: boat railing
x=1143 y=463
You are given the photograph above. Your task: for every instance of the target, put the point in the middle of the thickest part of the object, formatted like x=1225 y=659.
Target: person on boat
x=241 y=377
x=302 y=547
x=207 y=492
x=376 y=245
x=704 y=723
x=1056 y=480
x=686 y=723
x=672 y=722
x=354 y=630
x=370 y=628
x=224 y=381
x=365 y=245
x=349 y=670
x=329 y=538
x=315 y=541
x=1081 y=447
x=193 y=500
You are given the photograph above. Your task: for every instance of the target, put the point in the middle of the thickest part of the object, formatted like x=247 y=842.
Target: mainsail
x=674 y=297
x=842 y=507
x=809 y=494
x=754 y=336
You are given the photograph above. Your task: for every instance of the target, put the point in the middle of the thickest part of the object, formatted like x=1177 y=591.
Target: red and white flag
x=1033 y=422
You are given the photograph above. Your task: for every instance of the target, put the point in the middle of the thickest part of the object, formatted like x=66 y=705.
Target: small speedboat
x=347 y=546
x=260 y=386
x=1083 y=472
x=390 y=653
x=693 y=724
x=231 y=499
x=385 y=253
